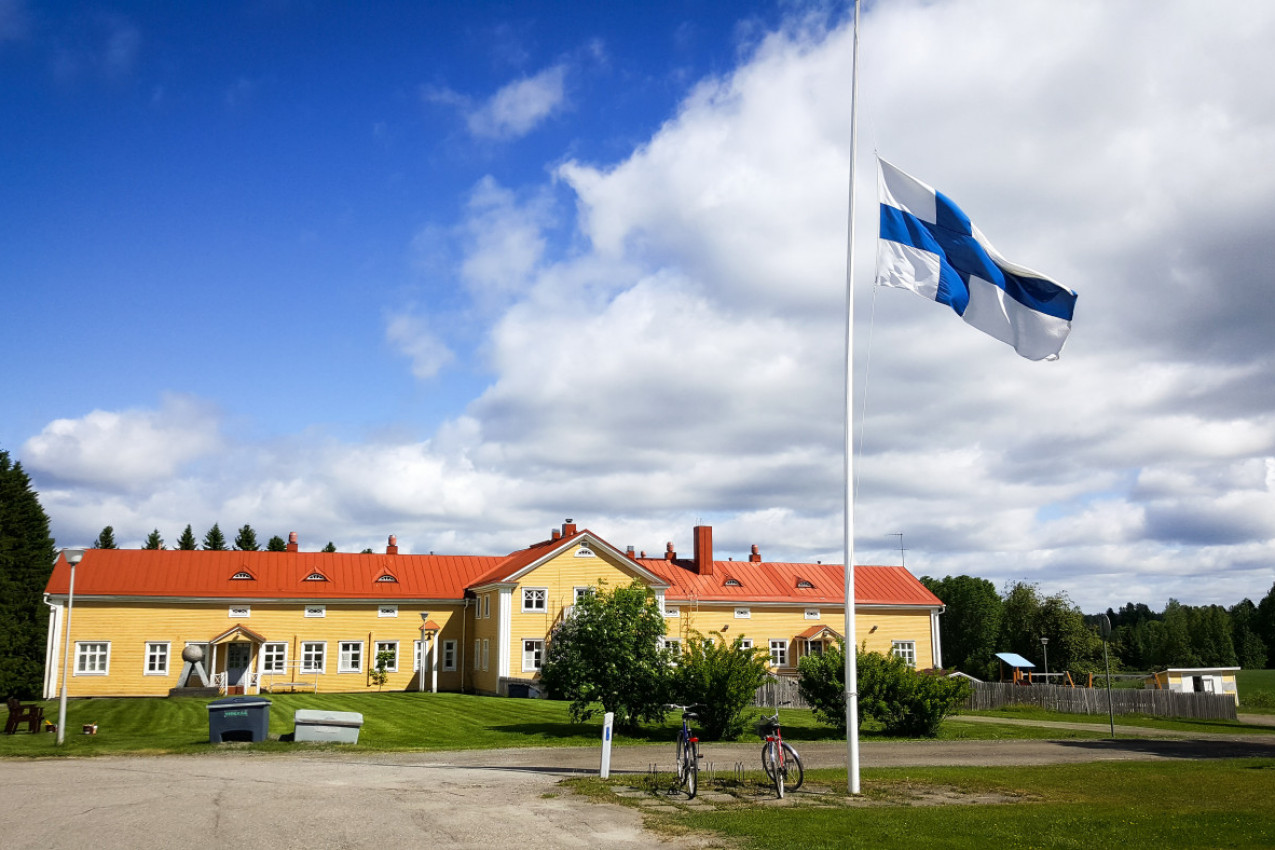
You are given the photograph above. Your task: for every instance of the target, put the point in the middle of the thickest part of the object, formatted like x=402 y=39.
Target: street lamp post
x=73 y=557
x=1044 y=643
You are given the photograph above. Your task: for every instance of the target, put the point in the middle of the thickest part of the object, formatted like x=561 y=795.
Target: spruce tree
x=214 y=540
x=26 y=560
x=106 y=539
x=154 y=541
x=246 y=540
x=276 y=544
x=187 y=543
x=329 y=548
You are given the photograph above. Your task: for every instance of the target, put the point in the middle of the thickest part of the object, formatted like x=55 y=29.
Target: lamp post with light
x=73 y=557
x=1044 y=644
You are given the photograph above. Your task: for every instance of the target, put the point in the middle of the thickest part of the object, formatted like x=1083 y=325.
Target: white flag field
x=928 y=245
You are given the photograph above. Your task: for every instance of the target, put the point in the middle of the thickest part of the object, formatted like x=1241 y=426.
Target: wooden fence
x=1161 y=703
x=779 y=691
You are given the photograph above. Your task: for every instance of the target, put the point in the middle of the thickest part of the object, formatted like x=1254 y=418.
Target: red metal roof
x=778 y=582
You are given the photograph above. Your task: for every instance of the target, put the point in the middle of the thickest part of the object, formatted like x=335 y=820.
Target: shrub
x=822 y=684
x=722 y=677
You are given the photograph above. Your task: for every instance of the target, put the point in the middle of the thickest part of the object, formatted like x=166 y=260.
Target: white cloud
x=520 y=106
x=412 y=337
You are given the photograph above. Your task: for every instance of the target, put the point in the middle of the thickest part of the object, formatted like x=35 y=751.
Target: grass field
x=1257 y=690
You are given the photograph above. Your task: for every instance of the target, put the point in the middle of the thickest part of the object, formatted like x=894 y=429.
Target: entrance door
x=238 y=657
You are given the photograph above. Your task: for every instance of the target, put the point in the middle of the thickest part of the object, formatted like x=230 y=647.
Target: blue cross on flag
x=926 y=244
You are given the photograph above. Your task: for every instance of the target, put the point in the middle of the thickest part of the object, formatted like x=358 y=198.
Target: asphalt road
x=478 y=799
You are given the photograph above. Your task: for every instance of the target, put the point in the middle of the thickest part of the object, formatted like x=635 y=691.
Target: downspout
x=464 y=639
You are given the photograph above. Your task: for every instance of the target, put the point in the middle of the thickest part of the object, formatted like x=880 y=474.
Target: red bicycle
x=778 y=759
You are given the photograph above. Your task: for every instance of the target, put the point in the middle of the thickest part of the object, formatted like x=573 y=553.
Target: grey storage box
x=338 y=727
x=238 y=719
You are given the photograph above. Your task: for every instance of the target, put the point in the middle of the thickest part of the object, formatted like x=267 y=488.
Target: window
x=905 y=649
x=387 y=611
x=532 y=653
x=743 y=613
x=274 y=657
x=485 y=647
x=241 y=612
x=534 y=598
x=316 y=577
x=672 y=611
x=814 y=647
x=351 y=658
x=313 y=654
x=390 y=646
x=387 y=578
x=779 y=653
x=812 y=613
x=732 y=582
x=157 y=659
x=486 y=606
x=316 y=610
x=674 y=645
x=746 y=644
x=804 y=584
x=582 y=592
x=416 y=655
x=478 y=654
x=584 y=552
x=241 y=576
x=449 y=656
x=92 y=659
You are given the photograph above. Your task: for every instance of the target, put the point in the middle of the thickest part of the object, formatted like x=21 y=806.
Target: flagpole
x=852 y=642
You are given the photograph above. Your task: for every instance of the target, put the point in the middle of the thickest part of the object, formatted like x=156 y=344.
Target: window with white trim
x=486 y=606
x=535 y=599
x=478 y=654
x=240 y=612
x=314 y=656
x=485 y=655
x=779 y=653
x=416 y=655
x=449 y=656
x=812 y=614
x=274 y=657
x=743 y=613
x=92 y=658
x=350 y=657
x=316 y=610
x=582 y=592
x=674 y=645
x=672 y=611
x=746 y=644
x=387 y=611
x=585 y=552
x=814 y=647
x=390 y=646
x=905 y=649
x=533 y=651
x=157 y=658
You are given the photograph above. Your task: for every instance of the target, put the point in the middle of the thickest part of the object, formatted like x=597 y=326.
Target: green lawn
x=1257 y=690
x=1129 y=805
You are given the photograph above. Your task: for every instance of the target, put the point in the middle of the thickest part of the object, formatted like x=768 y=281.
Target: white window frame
x=92 y=658
x=274 y=657
x=239 y=612
x=310 y=650
x=535 y=594
x=674 y=645
x=486 y=606
x=533 y=653
x=743 y=613
x=746 y=644
x=342 y=664
x=811 y=645
x=158 y=655
x=672 y=611
x=813 y=614
x=387 y=611
x=778 y=652
x=585 y=552
x=905 y=649
x=478 y=655
x=582 y=591
x=316 y=610
x=449 y=656
x=386 y=646
x=486 y=654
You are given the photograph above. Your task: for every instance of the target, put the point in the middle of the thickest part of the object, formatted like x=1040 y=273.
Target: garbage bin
x=238 y=719
x=519 y=691
x=339 y=727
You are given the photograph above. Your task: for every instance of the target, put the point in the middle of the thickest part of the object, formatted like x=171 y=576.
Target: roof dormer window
x=732 y=582
x=242 y=576
x=387 y=577
x=316 y=577
x=804 y=584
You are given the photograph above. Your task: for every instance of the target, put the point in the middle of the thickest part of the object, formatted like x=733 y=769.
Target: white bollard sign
x=608 y=721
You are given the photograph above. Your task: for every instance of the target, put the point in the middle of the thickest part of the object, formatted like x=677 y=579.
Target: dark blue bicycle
x=688 y=754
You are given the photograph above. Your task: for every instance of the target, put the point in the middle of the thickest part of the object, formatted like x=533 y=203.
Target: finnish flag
x=926 y=244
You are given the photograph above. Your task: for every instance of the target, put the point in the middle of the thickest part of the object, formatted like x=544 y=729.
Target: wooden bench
x=32 y=714
x=293 y=686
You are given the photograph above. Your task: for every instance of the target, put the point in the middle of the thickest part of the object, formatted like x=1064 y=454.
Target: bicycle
x=688 y=754
x=778 y=759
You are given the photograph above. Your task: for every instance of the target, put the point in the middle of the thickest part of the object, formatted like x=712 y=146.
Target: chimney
x=632 y=555
x=557 y=535
x=392 y=549
x=292 y=541
x=568 y=527
x=704 y=550
x=755 y=557
x=669 y=554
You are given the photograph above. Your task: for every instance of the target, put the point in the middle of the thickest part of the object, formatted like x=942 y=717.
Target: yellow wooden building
x=144 y=622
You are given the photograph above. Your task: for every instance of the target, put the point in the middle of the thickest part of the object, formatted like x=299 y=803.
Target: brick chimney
x=292 y=541
x=755 y=557
x=704 y=550
x=556 y=535
x=392 y=549
x=669 y=554
x=568 y=527
x=632 y=555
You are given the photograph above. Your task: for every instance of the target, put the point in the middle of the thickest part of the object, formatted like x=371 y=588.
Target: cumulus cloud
x=412 y=337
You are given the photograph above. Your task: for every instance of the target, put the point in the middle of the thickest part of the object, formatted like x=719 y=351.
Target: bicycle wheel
x=681 y=761
x=767 y=761
x=691 y=783
x=781 y=769
x=794 y=773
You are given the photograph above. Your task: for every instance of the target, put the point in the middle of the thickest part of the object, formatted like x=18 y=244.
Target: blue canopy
x=1014 y=660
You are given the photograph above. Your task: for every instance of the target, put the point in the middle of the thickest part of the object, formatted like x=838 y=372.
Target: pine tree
x=276 y=544
x=329 y=548
x=186 y=543
x=246 y=540
x=214 y=540
x=154 y=541
x=106 y=539
x=26 y=560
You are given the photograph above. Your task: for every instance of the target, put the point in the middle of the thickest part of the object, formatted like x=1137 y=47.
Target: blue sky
x=456 y=272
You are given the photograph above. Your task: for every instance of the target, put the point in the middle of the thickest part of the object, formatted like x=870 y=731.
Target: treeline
x=213 y=541
x=979 y=622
